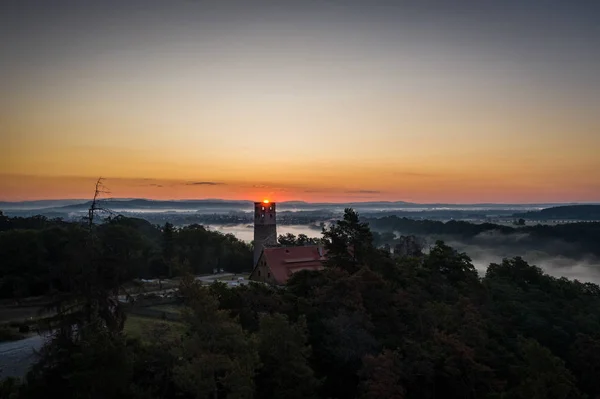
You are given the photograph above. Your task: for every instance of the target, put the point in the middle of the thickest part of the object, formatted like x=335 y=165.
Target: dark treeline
x=37 y=254
x=370 y=325
x=584 y=236
x=207 y=217
x=291 y=240
x=580 y=212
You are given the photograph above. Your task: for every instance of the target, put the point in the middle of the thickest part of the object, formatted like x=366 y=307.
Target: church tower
x=265 y=227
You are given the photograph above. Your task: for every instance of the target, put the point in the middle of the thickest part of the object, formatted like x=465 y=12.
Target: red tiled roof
x=285 y=261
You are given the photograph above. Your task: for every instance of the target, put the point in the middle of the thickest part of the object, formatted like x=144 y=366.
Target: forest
x=581 y=238
x=581 y=212
x=370 y=325
x=39 y=254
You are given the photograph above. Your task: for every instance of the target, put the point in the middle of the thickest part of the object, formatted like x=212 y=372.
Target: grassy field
x=136 y=326
x=169 y=308
x=139 y=326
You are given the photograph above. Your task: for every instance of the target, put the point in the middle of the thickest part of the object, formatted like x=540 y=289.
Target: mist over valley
x=563 y=255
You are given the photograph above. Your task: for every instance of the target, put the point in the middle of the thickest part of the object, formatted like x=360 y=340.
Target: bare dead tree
x=95 y=208
x=95 y=205
x=90 y=297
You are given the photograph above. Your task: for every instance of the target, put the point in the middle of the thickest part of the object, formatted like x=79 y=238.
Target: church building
x=273 y=264
x=265 y=227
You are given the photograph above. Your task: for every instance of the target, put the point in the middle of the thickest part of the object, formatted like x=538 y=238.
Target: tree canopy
x=369 y=325
x=38 y=254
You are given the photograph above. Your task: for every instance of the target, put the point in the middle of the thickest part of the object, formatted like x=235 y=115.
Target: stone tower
x=265 y=227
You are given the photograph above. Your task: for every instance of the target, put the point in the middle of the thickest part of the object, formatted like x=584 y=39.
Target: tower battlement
x=265 y=226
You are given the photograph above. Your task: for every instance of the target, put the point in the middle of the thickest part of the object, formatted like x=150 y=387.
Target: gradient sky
x=454 y=101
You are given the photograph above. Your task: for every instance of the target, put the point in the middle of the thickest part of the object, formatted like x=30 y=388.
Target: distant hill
x=157 y=205
x=220 y=205
x=569 y=212
x=40 y=204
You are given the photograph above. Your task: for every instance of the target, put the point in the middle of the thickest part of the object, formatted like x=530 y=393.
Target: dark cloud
x=149 y=184
x=363 y=192
x=203 y=183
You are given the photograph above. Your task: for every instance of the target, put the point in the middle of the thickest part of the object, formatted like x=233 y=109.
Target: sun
x=266 y=201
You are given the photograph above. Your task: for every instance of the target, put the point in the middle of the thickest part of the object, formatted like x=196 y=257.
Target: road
x=17 y=356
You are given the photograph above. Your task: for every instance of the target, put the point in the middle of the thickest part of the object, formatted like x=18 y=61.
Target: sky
x=425 y=101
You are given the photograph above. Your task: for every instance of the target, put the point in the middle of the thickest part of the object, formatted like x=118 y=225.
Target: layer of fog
x=246 y=232
x=555 y=257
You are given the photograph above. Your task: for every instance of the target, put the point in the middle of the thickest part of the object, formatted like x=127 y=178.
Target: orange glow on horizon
x=456 y=187
x=214 y=103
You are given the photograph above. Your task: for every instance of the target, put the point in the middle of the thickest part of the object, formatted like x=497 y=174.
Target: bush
x=6 y=334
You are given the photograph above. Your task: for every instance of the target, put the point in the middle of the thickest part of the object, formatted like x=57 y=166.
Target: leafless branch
x=95 y=205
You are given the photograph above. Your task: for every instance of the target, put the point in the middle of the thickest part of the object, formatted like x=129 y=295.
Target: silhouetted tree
x=349 y=242
x=291 y=240
x=218 y=359
x=284 y=355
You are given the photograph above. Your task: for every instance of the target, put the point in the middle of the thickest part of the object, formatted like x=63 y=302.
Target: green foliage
x=206 y=250
x=454 y=266
x=291 y=240
x=370 y=325
x=584 y=360
x=143 y=327
x=96 y=366
x=583 y=237
x=9 y=388
x=284 y=353
x=155 y=361
x=217 y=358
x=517 y=271
x=42 y=257
x=409 y=246
x=577 y=212
x=381 y=376
x=349 y=242
x=543 y=375
x=248 y=302
x=6 y=334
